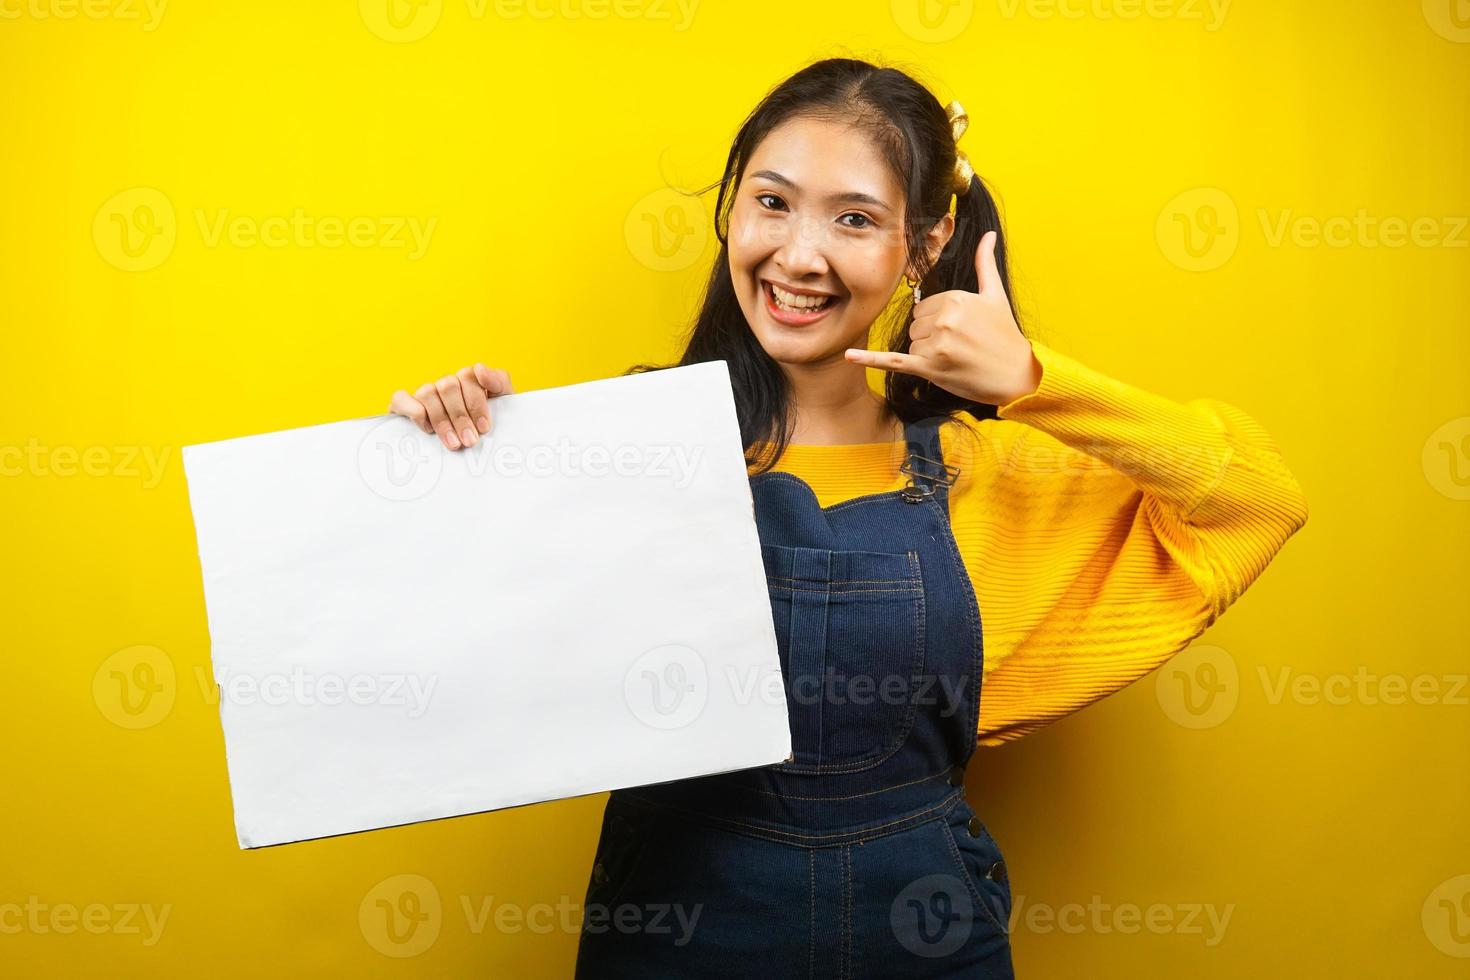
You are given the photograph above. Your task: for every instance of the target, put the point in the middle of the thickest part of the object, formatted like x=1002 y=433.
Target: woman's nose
x=801 y=251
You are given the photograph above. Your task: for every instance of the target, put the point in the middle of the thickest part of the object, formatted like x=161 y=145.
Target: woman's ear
x=934 y=241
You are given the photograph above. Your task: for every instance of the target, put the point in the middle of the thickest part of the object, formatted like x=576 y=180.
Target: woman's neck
x=836 y=408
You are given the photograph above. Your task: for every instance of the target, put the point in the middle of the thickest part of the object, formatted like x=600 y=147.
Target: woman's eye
x=761 y=198
x=863 y=218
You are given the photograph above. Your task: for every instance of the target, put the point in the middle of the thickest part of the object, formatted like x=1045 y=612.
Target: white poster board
x=403 y=633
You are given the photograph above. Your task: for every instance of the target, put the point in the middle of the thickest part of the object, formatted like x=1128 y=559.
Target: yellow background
x=1145 y=157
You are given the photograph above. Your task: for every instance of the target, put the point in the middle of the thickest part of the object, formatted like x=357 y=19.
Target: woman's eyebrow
x=854 y=197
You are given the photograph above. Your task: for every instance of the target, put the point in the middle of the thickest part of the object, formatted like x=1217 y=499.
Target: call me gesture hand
x=967 y=343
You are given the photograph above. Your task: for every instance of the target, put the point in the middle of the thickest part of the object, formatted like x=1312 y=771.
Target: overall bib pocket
x=850 y=631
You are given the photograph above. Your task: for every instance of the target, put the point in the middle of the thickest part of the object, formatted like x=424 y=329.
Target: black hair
x=912 y=131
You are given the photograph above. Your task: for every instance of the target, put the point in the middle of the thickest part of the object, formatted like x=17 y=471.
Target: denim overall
x=859 y=856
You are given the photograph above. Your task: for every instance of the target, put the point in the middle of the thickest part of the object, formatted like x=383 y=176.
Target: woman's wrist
x=1027 y=375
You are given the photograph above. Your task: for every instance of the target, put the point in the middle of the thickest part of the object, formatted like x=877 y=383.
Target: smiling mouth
x=795 y=309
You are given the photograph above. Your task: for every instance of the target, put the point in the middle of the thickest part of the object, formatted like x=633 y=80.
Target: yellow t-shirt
x=1103 y=528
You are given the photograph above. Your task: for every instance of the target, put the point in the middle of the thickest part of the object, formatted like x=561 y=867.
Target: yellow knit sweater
x=1103 y=528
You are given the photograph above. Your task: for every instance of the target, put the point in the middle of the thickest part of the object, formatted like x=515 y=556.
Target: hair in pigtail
x=975 y=214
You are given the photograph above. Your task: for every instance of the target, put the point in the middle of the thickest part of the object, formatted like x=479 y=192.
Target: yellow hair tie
x=959 y=121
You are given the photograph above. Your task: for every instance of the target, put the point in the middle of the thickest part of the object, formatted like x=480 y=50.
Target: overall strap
x=929 y=476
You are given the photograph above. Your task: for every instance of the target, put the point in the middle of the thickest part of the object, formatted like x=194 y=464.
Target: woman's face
x=818 y=214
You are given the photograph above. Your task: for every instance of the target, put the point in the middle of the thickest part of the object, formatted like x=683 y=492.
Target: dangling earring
x=914 y=285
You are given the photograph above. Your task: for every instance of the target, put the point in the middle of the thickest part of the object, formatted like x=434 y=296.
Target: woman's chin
x=801 y=350
x=821 y=342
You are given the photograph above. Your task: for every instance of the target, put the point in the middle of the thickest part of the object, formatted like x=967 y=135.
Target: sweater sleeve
x=1106 y=531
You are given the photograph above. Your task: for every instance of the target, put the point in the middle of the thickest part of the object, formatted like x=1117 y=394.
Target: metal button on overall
x=976 y=827
x=957 y=776
x=997 y=871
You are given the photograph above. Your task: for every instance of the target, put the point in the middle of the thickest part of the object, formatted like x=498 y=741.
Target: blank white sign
x=573 y=605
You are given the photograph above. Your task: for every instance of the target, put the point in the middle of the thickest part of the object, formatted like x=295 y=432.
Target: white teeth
x=797 y=303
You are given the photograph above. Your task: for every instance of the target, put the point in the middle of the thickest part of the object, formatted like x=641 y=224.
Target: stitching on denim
x=905 y=590
x=756 y=830
x=855 y=554
x=854 y=796
x=811 y=952
x=864 y=499
x=896 y=582
x=847 y=913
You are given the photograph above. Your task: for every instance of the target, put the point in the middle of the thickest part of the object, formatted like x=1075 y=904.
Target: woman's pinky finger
x=405 y=404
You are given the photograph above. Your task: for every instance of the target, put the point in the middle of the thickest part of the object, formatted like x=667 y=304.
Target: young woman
x=1099 y=527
